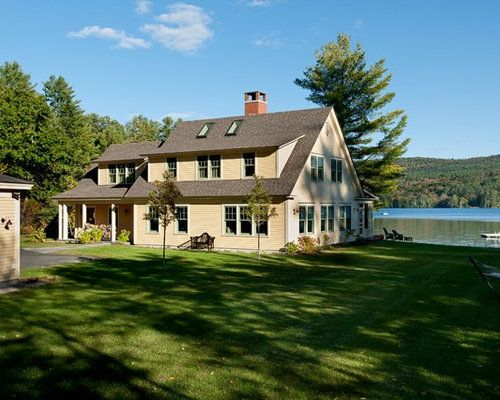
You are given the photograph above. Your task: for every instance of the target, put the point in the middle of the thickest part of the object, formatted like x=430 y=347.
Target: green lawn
x=383 y=321
x=26 y=242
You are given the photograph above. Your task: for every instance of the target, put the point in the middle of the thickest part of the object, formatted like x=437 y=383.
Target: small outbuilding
x=10 y=219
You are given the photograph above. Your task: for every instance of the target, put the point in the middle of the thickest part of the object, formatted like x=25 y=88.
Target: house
x=301 y=155
x=9 y=227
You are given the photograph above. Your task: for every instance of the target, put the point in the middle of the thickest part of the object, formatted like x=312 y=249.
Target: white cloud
x=184 y=28
x=271 y=41
x=185 y=115
x=143 y=6
x=259 y=3
x=358 y=24
x=123 y=41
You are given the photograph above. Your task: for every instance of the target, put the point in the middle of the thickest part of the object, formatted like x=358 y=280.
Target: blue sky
x=195 y=59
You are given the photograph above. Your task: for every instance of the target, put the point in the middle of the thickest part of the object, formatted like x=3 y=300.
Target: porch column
x=113 y=223
x=60 y=223
x=65 y=222
x=84 y=215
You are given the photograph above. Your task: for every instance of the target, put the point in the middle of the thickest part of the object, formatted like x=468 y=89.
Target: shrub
x=124 y=236
x=307 y=245
x=95 y=234
x=291 y=248
x=38 y=235
x=84 y=236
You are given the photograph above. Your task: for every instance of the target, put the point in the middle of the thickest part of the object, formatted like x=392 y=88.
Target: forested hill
x=436 y=182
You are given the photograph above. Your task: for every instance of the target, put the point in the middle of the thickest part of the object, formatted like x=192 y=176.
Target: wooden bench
x=204 y=241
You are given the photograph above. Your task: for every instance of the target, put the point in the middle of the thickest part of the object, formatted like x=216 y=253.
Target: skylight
x=234 y=127
x=204 y=131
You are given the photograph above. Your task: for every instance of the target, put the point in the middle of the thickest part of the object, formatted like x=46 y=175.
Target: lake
x=451 y=226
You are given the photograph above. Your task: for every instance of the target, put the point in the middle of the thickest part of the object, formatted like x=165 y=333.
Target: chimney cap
x=256 y=96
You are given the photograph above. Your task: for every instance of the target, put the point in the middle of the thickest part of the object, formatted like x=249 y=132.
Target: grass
x=26 y=242
x=383 y=321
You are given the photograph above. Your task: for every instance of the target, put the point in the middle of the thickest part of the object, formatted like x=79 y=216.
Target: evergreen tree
x=104 y=132
x=69 y=124
x=142 y=129
x=341 y=78
x=168 y=125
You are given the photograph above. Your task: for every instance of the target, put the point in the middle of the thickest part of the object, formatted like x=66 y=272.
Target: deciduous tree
x=162 y=203
x=259 y=207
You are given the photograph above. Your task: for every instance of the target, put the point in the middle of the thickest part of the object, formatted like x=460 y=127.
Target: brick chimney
x=255 y=103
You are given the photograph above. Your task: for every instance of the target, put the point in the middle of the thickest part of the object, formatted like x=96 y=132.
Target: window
x=336 y=167
x=214 y=166
x=204 y=130
x=230 y=220
x=248 y=164
x=181 y=219
x=234 y=127
x=306 y=219
x=209 y=167
x=345 y=218
x=90 y=215
x=245 y=222
x=317 y=168
x=237 y=222
x=153 y=223
x=326 y=219
x=112 y=173
x=171 y=166
x=121 y=173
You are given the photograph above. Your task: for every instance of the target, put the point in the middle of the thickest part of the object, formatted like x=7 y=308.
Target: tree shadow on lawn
x=343 y=325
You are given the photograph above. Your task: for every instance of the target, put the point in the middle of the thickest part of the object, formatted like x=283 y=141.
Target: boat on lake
x=495 y=235
x=385 y=213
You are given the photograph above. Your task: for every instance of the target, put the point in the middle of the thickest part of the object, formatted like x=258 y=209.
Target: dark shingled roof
x=264 y=130
x=88 y=189
x=11 y=179
x=256 y=131
x=128 y=151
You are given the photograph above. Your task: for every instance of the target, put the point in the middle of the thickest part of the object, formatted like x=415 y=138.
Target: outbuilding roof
x=11 y=179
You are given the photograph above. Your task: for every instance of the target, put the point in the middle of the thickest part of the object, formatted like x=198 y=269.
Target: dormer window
x=121 y=173
x=234 y=127
x=204 y=131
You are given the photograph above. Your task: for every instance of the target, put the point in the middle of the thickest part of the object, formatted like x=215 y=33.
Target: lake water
x=451 y=226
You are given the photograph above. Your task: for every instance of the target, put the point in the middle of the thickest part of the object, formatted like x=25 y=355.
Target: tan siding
x=206 y=216
x=186 y=168
x=101 y=214
x=125 y=218
x=231 y=165
x=156 y=168
x=266 y=163
x=103 y=174
x=321 y=193
x=8 y=240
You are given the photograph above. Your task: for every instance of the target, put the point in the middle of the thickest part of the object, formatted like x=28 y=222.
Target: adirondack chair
x=398 y=236
x=487 y=272
x=388 y=235
x=202 y=241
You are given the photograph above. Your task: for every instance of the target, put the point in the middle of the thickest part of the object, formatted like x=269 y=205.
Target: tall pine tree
x=341 y=78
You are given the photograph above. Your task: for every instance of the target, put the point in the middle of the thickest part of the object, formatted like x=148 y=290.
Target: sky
x=195 y=59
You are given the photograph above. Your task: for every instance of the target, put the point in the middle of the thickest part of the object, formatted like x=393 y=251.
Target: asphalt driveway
x=46 y=257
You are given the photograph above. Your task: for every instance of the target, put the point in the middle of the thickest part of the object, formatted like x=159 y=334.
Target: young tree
x=162 y=203
x=259 y=207
x=341 y=78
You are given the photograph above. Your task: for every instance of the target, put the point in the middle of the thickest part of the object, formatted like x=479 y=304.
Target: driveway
x=46 y=257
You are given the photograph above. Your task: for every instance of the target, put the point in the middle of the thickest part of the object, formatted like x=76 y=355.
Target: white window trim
x=342 y=163
x=116 y=173
x=148 y=231
x=176 y=231
x=243 y=165
x=327 y=205
x=209 y=172
x=238 y=233
x=310 y=167
x=306 y=220
x=352 y=209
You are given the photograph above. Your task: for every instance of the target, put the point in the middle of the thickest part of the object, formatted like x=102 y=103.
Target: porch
x=73 y=215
